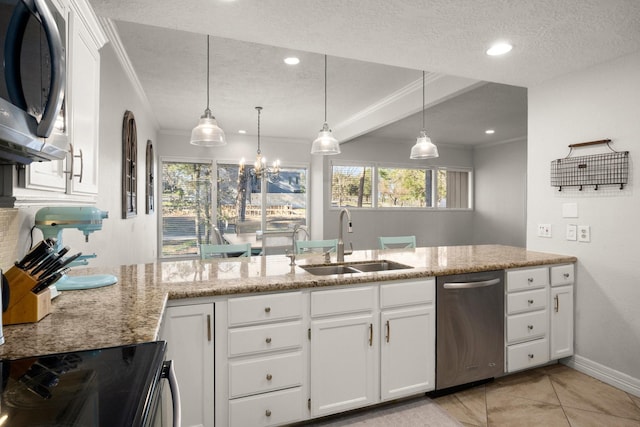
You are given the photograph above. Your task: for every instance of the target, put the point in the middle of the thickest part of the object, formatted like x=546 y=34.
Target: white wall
x=500 y=186
x=120 y=241
x=601 y=102
x=430 y=227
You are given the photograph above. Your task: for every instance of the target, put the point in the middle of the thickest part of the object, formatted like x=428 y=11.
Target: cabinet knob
x=530 y=301
x=566 y=275
x=268 y=340
x=530 y=356
x=267 y=309
x=530 y=280
x=269 y=377
x=267 y=412
x=530 y=327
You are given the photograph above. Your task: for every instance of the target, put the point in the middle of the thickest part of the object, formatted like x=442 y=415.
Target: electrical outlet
x=584 y=233
x=572 y=232
x=544 y=230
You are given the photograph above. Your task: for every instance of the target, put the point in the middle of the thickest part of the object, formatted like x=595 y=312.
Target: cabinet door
x=561 y=322
x=84 y=94
x=344 y=369
x=188 y=331
x=408 y=348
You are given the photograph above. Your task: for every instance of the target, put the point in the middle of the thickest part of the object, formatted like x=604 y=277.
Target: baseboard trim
x=605 y=374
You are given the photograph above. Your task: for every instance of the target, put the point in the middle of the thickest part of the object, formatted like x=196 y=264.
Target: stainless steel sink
x=356 y=267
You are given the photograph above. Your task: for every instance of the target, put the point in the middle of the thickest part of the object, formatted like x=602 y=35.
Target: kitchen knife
x=51 y=264
x=36 y=253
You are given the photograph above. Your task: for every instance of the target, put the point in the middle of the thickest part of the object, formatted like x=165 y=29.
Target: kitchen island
x=131 y=310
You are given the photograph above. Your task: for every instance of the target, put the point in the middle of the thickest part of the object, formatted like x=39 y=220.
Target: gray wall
x=597 y=103
x=500 y=194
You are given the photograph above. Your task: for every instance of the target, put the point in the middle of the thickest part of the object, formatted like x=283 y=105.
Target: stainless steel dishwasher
x=469 y=328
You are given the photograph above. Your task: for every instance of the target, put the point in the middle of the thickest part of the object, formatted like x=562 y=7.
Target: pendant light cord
x=423 y=100
x=208 y=77
x=325 y=88
x=259 y=109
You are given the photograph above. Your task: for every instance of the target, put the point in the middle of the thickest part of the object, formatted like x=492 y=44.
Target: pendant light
x=325 y=143
x=424 y=148
x=208 y=133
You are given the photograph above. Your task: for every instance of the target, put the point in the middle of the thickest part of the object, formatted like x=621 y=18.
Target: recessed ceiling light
x=242 y=131
x=292 y=60
x=499 y=49
x=489 y=131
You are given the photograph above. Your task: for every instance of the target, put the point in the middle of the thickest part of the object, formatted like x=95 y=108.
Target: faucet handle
x=327 y=257
x=291 y=255
x=350 y=251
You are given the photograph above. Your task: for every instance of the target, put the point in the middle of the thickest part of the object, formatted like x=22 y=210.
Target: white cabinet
x=561 y=307
x=189 y=335
x=265 y=360
x=343 y=350
x=539 y=315
x=77 y=176
x=527 y=318
x=407 y=350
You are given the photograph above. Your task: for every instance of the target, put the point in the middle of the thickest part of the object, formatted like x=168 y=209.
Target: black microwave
x=33 y=123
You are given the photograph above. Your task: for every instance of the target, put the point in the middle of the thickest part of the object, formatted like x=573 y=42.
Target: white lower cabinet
x=343 y=350
x=539 y=316
x=265 y=363
x=407 y=349
x=189 y=335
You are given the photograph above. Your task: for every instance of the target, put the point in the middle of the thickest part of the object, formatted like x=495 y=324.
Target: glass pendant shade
x=424 y=148
x=207 y=133
x=325 y=143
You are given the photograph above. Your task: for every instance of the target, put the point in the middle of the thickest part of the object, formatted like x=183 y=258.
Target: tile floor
x=554 y=395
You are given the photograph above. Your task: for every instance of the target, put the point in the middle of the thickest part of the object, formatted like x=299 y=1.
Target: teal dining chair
x=397 y=242
x=329 y=245
x=225 y=251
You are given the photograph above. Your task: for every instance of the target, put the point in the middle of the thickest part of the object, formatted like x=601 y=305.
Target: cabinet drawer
x=407 y=293
x=264 y=308
x=529 y=278
x=562 y=275
x=255 y=376
x=527 y=355
x=340 y=301
x=278 y=407
x=521 y=302
x=527 y=326
x=263 y=338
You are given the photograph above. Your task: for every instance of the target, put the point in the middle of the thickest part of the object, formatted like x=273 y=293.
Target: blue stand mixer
x=53 y=220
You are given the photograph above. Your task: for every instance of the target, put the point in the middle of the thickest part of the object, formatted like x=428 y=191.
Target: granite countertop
x=131 y=310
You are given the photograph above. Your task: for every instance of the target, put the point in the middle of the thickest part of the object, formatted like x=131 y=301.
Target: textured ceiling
x=447 y=37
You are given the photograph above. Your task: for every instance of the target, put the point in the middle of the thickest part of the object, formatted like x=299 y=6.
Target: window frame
x=375 y=166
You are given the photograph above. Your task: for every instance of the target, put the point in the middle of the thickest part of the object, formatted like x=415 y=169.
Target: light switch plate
x=544 y=230
x=584 y=233
x=572 y=232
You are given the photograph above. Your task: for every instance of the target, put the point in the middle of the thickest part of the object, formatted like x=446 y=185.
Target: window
x=186 y=212
x=404 y=188
x=351 y=186
x=398 y=187
x=240 y=199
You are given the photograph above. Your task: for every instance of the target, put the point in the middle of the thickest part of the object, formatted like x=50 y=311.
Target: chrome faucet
x=341 y=253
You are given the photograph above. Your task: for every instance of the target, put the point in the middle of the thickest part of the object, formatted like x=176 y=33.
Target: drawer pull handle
x=566 y=275
x=530 y=301
x=269 y=377
x=267 y=309
x=530 y=356
x=530 y=327
x=267 y=413
x=530 y=280
x=268 y=340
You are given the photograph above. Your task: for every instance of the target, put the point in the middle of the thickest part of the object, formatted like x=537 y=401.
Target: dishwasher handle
x=471 y=285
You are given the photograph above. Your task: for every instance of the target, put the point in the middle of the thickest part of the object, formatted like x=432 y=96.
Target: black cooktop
x=104 y=387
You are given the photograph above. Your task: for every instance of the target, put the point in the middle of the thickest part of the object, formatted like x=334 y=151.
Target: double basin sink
x=355 y=267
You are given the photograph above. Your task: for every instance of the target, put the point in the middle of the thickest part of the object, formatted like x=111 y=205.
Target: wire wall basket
x=591 y=170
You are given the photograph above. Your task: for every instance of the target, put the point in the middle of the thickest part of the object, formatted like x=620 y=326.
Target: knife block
x=24 y=305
